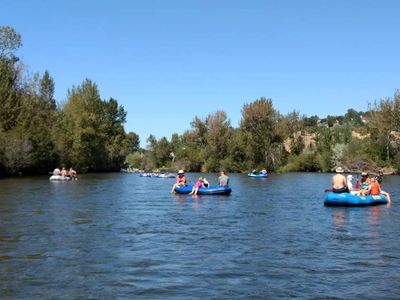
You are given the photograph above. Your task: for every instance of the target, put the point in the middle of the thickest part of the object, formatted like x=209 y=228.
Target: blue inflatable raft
x=258 y=175
x=211 y=190
x=347 y=199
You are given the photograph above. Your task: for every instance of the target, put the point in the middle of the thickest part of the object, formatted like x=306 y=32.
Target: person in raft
x=199 y=183
x=223 y=180
x=180 y=180
x=339 y=182
x=375 y=188
x=364 y=184
x=71 y=173
x=350 y=184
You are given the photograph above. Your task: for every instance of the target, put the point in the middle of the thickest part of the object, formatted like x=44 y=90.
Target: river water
x=121 y=236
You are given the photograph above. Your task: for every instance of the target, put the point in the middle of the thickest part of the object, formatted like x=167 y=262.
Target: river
x=121 y=236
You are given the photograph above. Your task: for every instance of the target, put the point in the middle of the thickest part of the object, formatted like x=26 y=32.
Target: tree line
x=37 y=133
x=267 y=139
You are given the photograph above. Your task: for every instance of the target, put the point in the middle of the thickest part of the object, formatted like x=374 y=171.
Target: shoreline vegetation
x=86 y=132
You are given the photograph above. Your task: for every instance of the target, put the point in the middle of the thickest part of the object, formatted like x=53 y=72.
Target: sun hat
x=364 y=174
x=339 y=170
x=181 y=172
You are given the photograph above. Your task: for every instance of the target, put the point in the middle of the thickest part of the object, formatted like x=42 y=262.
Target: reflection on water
x=122 y=236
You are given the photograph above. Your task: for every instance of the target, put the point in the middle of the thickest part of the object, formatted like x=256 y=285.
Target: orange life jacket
x=375 y=189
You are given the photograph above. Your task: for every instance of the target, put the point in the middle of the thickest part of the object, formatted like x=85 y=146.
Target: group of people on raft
x=256 y=172
x=64 y=172
x=223 y=180
x=365 y=186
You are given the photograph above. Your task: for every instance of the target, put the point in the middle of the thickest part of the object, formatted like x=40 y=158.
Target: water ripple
x=119 y=236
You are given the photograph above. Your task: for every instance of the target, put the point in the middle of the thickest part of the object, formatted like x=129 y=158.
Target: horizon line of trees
x=38 y=134
x=87 y=132
x=266 y=139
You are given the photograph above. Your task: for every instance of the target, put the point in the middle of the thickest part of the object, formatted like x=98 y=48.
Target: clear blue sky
x=169 y=61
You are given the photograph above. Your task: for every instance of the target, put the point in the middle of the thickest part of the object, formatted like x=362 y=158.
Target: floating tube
x=155 y=175
x=347 y=199
x=211 y=190
x=145 y=175
x=260 y=175
x=59 y=178
x=164 y=176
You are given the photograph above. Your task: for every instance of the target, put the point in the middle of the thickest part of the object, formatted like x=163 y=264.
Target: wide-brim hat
x=339 y=170
x=181 y=172
x=364 y=174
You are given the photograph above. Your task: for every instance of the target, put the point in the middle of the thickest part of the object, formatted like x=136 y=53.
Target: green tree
x=133 y=142
x=113 y=134
x=258 y=122
x=16 y=150
x=237 y=159
x=80 y=140
x=46 y=91
x=10 y=41
x=353 y=118
x=10 y=100
x=163 y=153
x=192 y=154
x=10 y=95
x=199 y=128
x=217 y=138
x=37 y=118
x=381 y=124
x=311 y=121
x=135 y=160
x=324 y=144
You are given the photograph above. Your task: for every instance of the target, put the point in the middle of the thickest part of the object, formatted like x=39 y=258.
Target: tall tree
x=217 y=138
x=133 y=142
x=10 y=41
x=10 y=96
x=46 y=90
x=381 y=124
x=80 y=141
x=258 y=122
x=38 y=118
x=10 y=100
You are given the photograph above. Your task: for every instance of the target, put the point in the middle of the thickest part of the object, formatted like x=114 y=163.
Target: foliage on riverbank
x=266 y=139
x=86 y=132
x=37 y=135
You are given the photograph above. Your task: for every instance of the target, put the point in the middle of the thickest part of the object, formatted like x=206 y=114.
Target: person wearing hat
x=339 y=182
x=350 y=186
x=180 y=180
x=365 y=183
